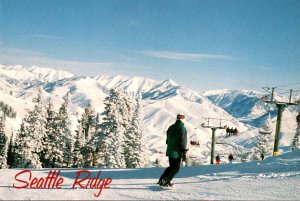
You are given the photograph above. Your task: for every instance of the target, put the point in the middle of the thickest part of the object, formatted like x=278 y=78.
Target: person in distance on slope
x=235 y=131
x=218 y=160
x=262 y=156
x=231 y=131
x=298 y=118
x=230 y=158
x=228 y=131
x=176 y=150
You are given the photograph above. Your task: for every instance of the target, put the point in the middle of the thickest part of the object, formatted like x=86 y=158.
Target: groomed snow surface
x=276 y=178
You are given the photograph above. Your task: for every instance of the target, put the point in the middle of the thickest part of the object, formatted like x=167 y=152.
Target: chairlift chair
x=266 y=130
x=195 y=142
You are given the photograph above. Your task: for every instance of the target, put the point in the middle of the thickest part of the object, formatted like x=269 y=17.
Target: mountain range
x=161 y=100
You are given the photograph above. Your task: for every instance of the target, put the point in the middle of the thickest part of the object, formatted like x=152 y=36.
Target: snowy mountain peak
x=170 y=82
x=49 y=74
x=19 y=72
x=231 y=91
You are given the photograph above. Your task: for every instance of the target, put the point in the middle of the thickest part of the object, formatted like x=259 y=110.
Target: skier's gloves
x=184 y=155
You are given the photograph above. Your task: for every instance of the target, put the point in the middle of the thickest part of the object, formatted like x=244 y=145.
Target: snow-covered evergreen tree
x=134 y=149
x=97 y=122
x=23 y=152
x=64 y=125
x=78 y=160
x=264 y=141
x=85 y=147
x=130 y=134
x=111 y=135
x=263 y=146
x=88 y=124
x=30 y=140
x=11 y=152
x=53 y=142
x=3 y=145
x=92 y=151
x=296 y=139
x=7 y=110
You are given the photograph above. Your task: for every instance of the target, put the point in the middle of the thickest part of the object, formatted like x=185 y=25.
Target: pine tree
x=64 y=124
x=96 y=144
x=7 y=111
x=97 y=123
x=135 y=149
x=113 y=128
x=88 y=124
x=78 y=160
x=264 y=141
x=23 y=152
x=130 y=134
x=263 y=146
x=92 y=151
x=11 y=152
x=30 y=140
x=87 y=130
x=3 y=145
x=53 y=142
x=296 y=139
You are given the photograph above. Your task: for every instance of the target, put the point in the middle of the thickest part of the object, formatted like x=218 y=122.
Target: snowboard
x=167 y=187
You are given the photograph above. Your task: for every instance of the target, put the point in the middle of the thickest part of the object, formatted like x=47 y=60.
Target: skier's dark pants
x=172 y=170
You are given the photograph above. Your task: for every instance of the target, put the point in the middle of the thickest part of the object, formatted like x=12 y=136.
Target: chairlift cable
x=289 y=85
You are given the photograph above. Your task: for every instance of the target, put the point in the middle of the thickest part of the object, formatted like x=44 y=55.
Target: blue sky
x=203 y=44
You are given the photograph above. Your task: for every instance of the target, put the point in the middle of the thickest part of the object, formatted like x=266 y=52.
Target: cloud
x=183 y=56
x=29 y=58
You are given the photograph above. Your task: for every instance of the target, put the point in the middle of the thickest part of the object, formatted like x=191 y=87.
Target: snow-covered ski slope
x=276 y=178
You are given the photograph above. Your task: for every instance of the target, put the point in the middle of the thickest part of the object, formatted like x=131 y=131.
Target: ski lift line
x=284 y=92
x=272 y=101
x=212 y=118
x=298 y=83
x=282 y=89
x=258 y=115
x=267 y=89
x=289 y=91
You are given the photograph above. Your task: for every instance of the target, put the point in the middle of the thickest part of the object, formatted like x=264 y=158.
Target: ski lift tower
x=280 y=106
x=213 y=128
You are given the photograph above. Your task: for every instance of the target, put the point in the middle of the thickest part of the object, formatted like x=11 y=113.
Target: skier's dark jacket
x=176 y=140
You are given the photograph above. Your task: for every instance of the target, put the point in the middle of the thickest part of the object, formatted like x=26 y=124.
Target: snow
x=21 y=73
x=273 y=178
x=162 y=101
x=276 y=178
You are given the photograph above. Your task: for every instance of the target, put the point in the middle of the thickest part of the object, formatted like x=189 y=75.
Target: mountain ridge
x=162 y=101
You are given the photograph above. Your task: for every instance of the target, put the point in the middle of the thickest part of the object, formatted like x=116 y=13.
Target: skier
x=176 y=150
x=230 y=158
x=228 y=131
x=231 y=131
x=235 y=131
x=262 y=156
x=218 y=160
x=298 y=118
